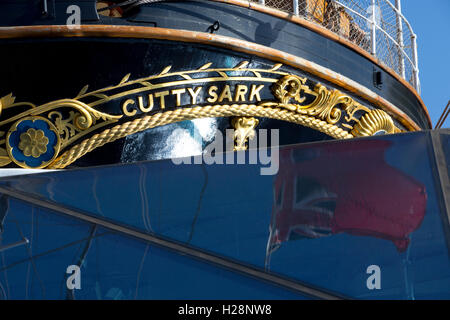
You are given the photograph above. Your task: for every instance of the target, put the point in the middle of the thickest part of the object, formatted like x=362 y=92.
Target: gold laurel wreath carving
x=327 y=104
x=82 y=119
x=161 y=119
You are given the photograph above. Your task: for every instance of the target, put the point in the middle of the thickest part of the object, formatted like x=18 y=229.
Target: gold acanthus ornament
x=330 y=105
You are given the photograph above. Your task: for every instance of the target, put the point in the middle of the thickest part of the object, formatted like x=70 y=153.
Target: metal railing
x=377 y=26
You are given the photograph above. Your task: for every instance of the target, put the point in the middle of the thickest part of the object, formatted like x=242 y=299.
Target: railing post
x=415 y=62
x=401 y=59
x=373 y=34
x=295 y=5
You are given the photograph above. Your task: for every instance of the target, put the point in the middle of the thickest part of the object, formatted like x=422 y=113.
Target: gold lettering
x=255 y=92
x=212 y=93
x=241 y=90
x=162 y=95
x=226 y=93
x=125 y=109
x=178 y=93
x=149 y=107
x=194 y=94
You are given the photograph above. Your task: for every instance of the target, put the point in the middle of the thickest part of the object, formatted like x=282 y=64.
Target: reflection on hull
x=376 y=200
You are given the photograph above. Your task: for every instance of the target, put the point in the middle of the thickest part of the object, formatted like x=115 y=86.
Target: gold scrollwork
x=74 y=125
x=6 y=101
x=374 y=122
x=81 y=120
x=325 y=105
x=290 y=87
x=330 y=105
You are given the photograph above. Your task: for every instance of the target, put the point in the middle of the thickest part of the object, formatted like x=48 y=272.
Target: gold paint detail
x=330 y=105
x=4 y=157
x=296 y=100
x=33 y=143
x=289 y=87
x=145 y=85
x=83 y=119
x=236 y=45
x=6 y=102
x=244 y=130
x=374 y=122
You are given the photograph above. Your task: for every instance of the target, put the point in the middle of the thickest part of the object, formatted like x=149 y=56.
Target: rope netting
x=352 y=19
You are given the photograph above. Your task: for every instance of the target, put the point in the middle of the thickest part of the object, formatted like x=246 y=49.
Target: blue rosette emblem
x=33 y=142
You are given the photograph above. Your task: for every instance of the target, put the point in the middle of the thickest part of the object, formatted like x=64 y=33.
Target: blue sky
x=430 y=20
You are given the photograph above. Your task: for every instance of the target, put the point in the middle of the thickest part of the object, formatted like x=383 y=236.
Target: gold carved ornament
x=330 y=106
x=244 y=130
x=38 y=133
x=318 y=108
x=33 y=143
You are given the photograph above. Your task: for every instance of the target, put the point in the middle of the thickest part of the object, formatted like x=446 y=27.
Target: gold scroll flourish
x=330 y=105
x=160 y=119
x=81 y=120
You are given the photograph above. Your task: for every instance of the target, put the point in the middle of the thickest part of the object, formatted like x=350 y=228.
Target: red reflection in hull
x=321 y=191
